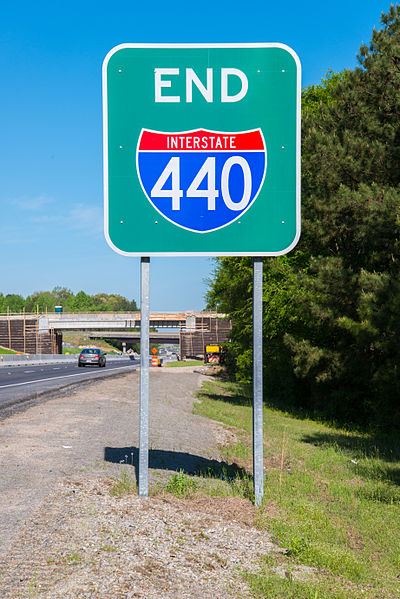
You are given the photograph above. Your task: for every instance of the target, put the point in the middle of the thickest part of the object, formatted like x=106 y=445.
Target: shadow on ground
x=160 y=459
x=242 y=396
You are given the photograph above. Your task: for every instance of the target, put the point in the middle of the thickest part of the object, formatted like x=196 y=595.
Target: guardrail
x=7 y=360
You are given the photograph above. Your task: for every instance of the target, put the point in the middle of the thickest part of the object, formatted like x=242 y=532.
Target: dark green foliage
x=14 y=302
x=331 y=308
x=61 y=296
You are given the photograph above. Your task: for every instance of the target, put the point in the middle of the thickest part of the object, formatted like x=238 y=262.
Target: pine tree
x=331 y=308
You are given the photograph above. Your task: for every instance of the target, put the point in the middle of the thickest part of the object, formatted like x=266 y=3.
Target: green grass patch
x=182 y=363
x=71 y=350
x=331 y=500
x=181 y=485
x=237 y=451
x=268 y=584
x=227 y=481
x=79 y=341
x=72 y=559
x=6 y=351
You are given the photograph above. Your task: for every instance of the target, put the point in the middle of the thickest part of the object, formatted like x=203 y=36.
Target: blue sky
x=51 y=195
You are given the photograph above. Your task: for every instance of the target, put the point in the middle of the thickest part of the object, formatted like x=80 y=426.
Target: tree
x=315 y=96
x=331 y=307
x=42 y=300
x=82 y=302
x=12 y=302
x=61 y=295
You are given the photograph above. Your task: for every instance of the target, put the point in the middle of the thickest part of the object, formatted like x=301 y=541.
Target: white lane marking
x=29 y=371
x=58 y=368
x=64 y=376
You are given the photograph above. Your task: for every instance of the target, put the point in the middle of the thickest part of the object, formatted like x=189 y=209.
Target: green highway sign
x=202 y=149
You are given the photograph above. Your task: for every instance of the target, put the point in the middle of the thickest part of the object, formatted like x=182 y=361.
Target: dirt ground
x=63 y=535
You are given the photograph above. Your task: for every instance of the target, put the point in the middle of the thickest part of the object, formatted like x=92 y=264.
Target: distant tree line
x=332 y=306
x=61 y=296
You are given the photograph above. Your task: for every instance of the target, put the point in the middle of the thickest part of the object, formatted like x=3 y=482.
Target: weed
x=230 y=481
x=127 y=459
x=181 y=485
x=180 y=540
x=108 y=548
x=123 y=485
x=72 y=559
x=296 y=546
x=218 y=559
x=33 y=587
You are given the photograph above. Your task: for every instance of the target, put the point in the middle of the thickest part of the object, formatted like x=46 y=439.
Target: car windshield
x=91 y=351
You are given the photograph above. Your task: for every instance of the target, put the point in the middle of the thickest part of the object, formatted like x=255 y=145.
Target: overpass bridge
x=42 y=332
x=69 y=321
x=134 y=336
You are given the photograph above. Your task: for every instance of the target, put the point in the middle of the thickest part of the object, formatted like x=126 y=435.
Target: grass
x=79 y=341
x=331 y=500
x=222 y=483
x=72 y=559
x=4 y=350
x=33 y=587
x=231 y=482
x=183 y=363
x=123 y=485
x=71 y=350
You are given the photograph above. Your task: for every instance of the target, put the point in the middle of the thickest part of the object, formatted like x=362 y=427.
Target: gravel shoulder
x=63 y=535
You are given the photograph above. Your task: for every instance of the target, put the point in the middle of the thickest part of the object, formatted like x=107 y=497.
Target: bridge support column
x=124 y=347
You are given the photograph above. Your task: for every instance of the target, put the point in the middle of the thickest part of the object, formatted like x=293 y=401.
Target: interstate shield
x=201 y=180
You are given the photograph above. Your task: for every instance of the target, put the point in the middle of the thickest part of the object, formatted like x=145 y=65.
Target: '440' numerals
x=212 y=192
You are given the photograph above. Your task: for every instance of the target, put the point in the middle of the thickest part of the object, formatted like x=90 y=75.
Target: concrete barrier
x=7 y=360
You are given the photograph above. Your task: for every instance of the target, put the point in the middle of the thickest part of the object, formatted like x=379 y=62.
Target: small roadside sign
x=154 y=350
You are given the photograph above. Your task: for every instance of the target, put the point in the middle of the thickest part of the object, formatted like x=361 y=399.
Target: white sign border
x=298 y=145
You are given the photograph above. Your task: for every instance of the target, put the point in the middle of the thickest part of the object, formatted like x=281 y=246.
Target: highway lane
x=26 y=382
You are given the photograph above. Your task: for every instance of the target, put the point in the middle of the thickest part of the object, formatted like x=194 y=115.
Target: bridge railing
x=129 y=315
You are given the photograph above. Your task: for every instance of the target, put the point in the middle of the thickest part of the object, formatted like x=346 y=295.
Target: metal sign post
x=258 y=474
x=144 y=377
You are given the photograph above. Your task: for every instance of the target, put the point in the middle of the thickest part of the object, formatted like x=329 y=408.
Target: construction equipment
x=213 y=354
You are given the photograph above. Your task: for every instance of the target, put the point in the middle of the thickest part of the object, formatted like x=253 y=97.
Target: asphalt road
x=18 y=384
